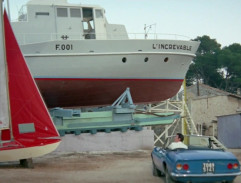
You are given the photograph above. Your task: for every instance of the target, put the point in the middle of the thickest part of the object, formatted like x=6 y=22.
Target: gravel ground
x=122 y=167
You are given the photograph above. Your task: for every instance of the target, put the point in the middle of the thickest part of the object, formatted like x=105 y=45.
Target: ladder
x=189 y=121
x=177 y=106
x=217 y=143
x=164 y=134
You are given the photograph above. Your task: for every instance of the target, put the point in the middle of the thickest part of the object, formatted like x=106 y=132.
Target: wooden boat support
x=121 y=116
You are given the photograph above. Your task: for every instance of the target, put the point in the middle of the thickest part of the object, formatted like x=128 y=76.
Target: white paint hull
x=104 y=59
x=110 y=66
x=96 y=72
x=28 y=152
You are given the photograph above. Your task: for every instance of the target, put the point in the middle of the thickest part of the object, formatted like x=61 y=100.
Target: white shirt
x=175 y=145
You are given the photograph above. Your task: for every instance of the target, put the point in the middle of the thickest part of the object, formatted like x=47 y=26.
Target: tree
x=204 y=66
x=207 y=45
x=229 y=60
x=216 y=67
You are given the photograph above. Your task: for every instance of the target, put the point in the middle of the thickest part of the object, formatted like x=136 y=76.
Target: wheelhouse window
x=88 y=19
x=98 y=14
x=74 y=12
x=42 y=13
x=62 y=12
x=88 y=23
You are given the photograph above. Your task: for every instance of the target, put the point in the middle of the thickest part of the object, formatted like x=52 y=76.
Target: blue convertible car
x=201 y=162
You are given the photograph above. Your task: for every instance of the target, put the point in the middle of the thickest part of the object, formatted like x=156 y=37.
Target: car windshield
x=193 y=142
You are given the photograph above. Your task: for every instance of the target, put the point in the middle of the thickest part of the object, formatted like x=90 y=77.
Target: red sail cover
x=31 y=122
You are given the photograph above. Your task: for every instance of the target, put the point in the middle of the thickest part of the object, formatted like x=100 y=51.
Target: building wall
x=204 y=110
x=229 y=128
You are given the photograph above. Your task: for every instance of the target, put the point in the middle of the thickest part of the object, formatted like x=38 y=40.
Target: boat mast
x=8 y=10
x=4 y=94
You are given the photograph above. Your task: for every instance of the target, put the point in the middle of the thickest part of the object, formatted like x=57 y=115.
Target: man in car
x=178 y=142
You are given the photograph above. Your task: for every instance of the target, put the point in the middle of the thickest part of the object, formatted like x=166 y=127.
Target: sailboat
x=26 y=128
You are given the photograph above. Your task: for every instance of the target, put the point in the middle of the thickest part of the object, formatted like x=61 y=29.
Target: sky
x=219 y=19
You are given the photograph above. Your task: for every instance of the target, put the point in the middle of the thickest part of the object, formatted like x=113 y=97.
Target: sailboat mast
x=4 y=94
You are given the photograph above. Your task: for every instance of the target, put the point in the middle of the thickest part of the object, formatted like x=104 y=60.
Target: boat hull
x=24 y=152
x=96 y=73
x=98 y=92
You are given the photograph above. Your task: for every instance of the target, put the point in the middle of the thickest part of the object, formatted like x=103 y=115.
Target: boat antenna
x=147 y=29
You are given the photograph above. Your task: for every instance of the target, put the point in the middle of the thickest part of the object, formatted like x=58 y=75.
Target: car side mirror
x=158 y=148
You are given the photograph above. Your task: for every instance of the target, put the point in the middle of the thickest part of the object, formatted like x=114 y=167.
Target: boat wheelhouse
x=41 y=20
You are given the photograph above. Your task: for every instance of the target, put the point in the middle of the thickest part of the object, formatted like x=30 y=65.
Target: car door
x=159 y=158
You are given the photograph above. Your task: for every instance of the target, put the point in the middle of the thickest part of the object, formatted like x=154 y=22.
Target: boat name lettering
x=171 y=47
x=64 y=47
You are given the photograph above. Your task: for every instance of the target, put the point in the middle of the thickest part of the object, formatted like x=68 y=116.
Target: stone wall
x=108 y=142
x=204 y=110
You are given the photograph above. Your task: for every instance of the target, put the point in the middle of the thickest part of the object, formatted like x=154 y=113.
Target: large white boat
x=78 y=59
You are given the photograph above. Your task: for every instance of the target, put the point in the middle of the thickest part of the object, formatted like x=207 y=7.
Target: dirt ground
x=123 y=167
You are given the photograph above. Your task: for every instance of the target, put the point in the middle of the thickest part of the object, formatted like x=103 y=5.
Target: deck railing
x=42 y=37
x=157 y=36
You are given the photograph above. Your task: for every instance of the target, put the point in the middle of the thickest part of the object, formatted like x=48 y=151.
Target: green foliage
x=229 y=60
x=207 y=45
x=216 y=67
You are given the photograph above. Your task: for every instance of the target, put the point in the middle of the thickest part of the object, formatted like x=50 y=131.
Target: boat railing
x=157 y=36
x=28 y=38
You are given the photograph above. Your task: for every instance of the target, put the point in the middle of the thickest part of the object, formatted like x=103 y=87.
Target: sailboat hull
x=27 y=152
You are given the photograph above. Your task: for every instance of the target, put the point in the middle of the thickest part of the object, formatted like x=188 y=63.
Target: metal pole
x=184 y=121
x=9 y=14
x=145 y=31
x=4 y=73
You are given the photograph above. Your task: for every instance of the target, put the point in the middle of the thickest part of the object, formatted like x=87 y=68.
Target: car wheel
x=168 y=177
x=155 y=171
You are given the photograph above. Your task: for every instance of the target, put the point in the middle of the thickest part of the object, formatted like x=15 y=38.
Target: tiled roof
x=206 y=90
